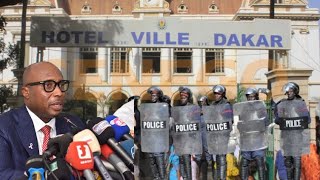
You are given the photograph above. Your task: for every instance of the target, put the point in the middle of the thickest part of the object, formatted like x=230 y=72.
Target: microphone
x=35 y=168
x=128 y=146
x=127 y=113
x=105 y=135
x=79 y=156
x=107 y=152
x=121 y=130
x=59 y=169
x=58 y=146
x=87 y=136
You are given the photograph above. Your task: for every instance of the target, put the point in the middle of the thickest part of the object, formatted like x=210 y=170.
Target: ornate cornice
x=301 y=17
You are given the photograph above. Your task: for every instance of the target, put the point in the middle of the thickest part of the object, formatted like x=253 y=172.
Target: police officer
x=292 y=163
x=220 y=98
x=157 y=160
x=185 y=160
x=203 y=159
x=258 y=155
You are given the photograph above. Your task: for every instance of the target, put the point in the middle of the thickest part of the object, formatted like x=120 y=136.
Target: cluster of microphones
x=104 y=150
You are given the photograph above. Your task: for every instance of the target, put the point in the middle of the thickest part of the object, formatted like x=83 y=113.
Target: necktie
x=46 y=131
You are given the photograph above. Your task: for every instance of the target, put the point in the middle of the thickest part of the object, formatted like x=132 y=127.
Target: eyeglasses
x=50 y=85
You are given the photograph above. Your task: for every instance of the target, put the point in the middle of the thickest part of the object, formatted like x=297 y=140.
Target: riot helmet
x=166 y=99
x=156 y=93
x=203 y=100
x=219 y=92
x=291 y=89
x=252 y=94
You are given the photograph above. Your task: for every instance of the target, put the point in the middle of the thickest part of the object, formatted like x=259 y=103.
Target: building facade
x=107 y=76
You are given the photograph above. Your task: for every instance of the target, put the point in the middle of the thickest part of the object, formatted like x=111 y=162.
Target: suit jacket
x=18 y=140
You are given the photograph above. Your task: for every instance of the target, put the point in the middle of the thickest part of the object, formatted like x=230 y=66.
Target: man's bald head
x=45 y=104
x=32 y=72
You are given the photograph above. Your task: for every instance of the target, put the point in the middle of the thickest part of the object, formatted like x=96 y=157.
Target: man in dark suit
x=44 y=92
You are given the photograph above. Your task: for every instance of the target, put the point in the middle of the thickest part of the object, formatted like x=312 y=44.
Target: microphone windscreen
x=79 y=156
x=101 y=128
x=88 y=137
x=106 y=151
x=60 y=169
x=119 y=126
x=128 y=146
x=34 y=162
x=127 y=114
x=59 y=144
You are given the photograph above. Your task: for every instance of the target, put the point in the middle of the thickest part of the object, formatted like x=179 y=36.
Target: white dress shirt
x=38 y=124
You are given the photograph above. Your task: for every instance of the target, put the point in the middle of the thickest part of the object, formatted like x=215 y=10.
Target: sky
x=314 y=3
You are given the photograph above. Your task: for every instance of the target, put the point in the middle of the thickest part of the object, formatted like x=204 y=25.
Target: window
x=182 y=8
x=213 y=8
x=88 y=60
x=120 y=60
x=86 y=8
x=214 y=60
x=182 y=60
x=151 y=60
x=116 y=8
x=281 y=59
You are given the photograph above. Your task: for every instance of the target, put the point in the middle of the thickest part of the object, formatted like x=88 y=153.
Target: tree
x=9 y=2
x=3 y=23
x=10 y=55
x=5 y=92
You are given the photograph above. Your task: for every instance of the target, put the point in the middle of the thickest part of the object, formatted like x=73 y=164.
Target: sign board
x=160 y=32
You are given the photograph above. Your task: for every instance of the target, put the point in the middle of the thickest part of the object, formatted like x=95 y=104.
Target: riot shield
x=252 y=123
x=154 y=127
x=186 y=129
x=294 y=134
x=218 y=119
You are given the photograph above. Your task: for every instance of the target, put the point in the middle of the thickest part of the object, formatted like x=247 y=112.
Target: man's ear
x=25 y=92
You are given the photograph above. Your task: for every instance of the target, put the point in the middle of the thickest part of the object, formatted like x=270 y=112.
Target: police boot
x=288 y=164
x=183 y=173
x=161 y=165
x=261 y=167
x=203 y=169
x=297 y=167
x=188 y=168
x=153 y=166
x=214 y=170
x=244 y=173
x=199 y=165
x=222 y=164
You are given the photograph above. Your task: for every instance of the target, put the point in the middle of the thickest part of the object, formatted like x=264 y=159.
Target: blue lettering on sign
x=219 y=39
x=155 y=39
x=183 y=38
x=262 y=41
x=136 y=39
x=247 y=40
x=168 y=39
x=276 y=39
x=233 y=40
